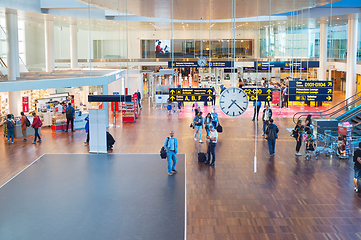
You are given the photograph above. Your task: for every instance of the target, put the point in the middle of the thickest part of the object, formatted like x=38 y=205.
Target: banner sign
x=191 y=64
x=191 y=94
x=319 y=91
x=25 y=104
x=259 y=94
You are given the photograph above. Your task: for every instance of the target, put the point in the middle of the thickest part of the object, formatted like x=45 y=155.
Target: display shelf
x=128 y=114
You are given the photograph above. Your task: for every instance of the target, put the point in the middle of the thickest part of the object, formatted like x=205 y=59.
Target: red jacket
x=37 y=122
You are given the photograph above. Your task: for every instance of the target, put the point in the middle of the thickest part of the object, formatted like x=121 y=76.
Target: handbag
x=219 y=128
x=192 y=125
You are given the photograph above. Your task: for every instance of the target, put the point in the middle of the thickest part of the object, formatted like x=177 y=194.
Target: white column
x=12 y=43
x=73 y=45
x=13 y=58
x=256 y=47
x=351 y=55
x=106 y=104
x=321 y=75
x=49 y=45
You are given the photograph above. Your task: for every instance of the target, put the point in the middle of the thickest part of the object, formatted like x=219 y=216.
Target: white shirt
x=213 y=134
x=59 y=108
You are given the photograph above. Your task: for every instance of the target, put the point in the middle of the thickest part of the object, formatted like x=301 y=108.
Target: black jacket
x=272 y=131
x=270 y=113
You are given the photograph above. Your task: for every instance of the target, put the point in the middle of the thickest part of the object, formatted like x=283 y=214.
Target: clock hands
x=234 y=102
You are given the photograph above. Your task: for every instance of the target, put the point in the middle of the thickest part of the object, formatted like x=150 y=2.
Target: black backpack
x=27 y=123
x=163 y=152
x=68 y=113
x=9 y=124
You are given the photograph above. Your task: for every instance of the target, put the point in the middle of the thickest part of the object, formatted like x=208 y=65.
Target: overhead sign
x=286 y=64
x=191 y=94
x=258 y=94
x=191 y=64
x=319 y=91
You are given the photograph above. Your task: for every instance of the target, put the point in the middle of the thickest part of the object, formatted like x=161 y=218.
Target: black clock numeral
x=221 y=102
x=233 y=114
x=240 y=113
x=234 y=90
x=227 y=91
x=223 y=107
x=227 y=112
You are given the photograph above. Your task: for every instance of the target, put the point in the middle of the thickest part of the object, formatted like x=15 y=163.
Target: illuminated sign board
x=191 y=94
x=191 y=64
x=319 y=91
x=258 y=94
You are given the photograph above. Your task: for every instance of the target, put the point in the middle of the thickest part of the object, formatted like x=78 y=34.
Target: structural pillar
x=49 y=45
x=106 y=104
x=13 y=58
x=73 y=45
x=321 y=75
x=351 y=55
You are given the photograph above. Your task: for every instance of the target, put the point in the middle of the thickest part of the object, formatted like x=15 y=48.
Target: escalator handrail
x=320 y=113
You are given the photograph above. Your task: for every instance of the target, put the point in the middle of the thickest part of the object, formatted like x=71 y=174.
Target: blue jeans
x=37 y=134
x=207 y=130
x=171 y=156
x=271 y=146
x=265 y=124
x=11 y=134
x=198 y=129
x=214 y=123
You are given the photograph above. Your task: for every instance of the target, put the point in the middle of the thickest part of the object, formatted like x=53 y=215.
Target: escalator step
x=358 y=117
x=354 y=120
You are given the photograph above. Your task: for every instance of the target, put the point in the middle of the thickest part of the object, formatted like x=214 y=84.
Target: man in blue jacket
x=171 y=146
x=271 y=132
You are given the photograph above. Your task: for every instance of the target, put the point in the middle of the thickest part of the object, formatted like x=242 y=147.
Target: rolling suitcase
x=202 y=157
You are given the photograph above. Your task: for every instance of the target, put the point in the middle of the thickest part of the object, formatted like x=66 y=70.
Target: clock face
x=202 y=62
x=233 y=102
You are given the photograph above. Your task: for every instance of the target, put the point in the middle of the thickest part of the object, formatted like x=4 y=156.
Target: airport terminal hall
x=180 y=119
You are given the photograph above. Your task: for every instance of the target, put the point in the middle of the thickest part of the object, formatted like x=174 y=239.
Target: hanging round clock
x=233 y=102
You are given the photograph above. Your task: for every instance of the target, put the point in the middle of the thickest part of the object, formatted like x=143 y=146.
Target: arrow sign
x=269 y=98
x=209 y=91
x=269 y=91
x=330 y=84
x=328 y=98
x=172 y=91
x=209 y=98
x=329 y=91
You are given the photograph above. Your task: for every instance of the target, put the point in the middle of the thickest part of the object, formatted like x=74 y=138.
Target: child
x=310 y=141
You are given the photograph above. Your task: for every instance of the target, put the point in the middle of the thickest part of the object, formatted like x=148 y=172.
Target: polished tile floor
x=286 y=198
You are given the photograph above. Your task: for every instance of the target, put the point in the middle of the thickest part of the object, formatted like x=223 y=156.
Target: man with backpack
x=10 y=124
x=37 y=123
x=171 y=147
x=70 y=115
x=25 y=123
x=271 y=132
x=357 y=166
x=198 y=124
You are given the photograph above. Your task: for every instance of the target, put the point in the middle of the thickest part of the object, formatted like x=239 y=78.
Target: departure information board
x=191 y=94
x=319 y=91
x=258 y=94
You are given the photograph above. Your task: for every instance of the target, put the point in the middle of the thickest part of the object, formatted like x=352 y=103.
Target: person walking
x=267 y=115
x=198 y=123
x=70 y=115
x=10 y=124
x=357 y=166
x=285 y=96
x=207 y=122
x=212 y=138
x=171 y=147
x=24 y=126
x=214 y=116
x=271 y=132
x=87 y=130
x=299 y=130
x=139 y=96
x=37 y=123
x=257 y=107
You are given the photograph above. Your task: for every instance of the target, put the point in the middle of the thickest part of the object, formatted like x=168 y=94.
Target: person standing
x=139 y=98
x=37 y=123
x=198 y=124
x=299 y=130
x=285 y=96
x=10 y=124
x=212 y=138
x=214 y=96
x=207 y=122
x=214 y=116
x=267 y=115
x=87 y=130
x=171 y=147
x=357 y=166
x=271 y=132
x=23 y=125
x=257 y=107
x=70 y=115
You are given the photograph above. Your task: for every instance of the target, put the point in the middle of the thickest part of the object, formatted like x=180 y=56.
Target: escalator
x=348 y=110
